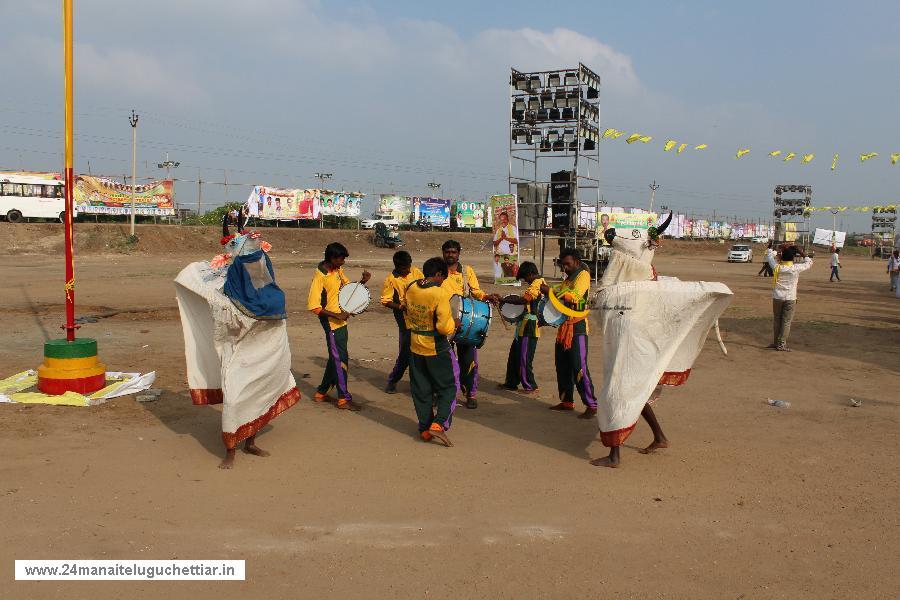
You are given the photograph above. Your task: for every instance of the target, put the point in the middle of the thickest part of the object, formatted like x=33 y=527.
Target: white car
x=760 y=240
x=740 y=253
x=388 y=220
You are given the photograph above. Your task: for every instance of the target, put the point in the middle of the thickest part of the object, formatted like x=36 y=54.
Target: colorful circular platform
x=71 y=367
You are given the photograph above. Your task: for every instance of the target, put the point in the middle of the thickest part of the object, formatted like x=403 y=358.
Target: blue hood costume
x=250 y=284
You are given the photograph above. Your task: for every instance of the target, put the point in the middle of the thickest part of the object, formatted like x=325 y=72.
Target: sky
x=391 y=95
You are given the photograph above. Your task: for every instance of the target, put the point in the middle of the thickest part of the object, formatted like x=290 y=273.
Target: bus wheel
x=14 y=216
x=62 y=217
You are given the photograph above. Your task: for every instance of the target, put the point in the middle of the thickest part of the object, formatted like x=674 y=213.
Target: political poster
x=628 y=225
x=340 y=204
x=282 y=204
x=392 y=205
x=99 y=195
x=470 y=214
x=505 y=239
x=432 y=210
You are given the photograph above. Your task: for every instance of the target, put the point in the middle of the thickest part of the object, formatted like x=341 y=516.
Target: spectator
x=784 y=294
x=893 y=269
x=835 y=265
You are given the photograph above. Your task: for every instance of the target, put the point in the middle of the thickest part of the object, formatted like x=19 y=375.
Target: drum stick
x=719 y=338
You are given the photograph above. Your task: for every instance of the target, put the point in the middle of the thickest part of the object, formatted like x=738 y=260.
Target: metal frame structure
x=884 y=225
x=792 y=211
x=555 y=115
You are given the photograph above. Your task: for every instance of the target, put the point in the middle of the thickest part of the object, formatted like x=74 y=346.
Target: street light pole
x=170 y=164
x=133 y=120
x=653 y=188
x=833 y=227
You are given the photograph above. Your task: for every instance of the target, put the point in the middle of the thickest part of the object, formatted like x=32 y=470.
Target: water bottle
x=779 y=403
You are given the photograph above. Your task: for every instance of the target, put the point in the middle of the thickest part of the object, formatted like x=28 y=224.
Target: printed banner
x=505 y=239
x=98 y=195
x=433 y=210
x=470 y=214
x=827 y=237
x=341 y=204
x=627 y=225
x=394 y=206
x=283 y=204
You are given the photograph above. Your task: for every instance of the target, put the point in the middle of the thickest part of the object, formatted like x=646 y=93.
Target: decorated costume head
x=632 y=257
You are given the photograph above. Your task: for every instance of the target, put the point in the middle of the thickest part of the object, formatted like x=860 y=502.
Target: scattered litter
x=145 y=331
x=855 y=403
x=657 y=499
x=145 y=346
x=148 y=395
x=779 y=403
x=13 y=389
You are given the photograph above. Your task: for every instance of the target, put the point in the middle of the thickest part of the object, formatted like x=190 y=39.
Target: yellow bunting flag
x=894 y=158
x=669 y=145
x=790 y=156
x=742 y=152
x=807 y=158
x=865 y=157
x=681 y=148
x=633 y=138
x=701 y=147
x=645 y=138
x=834 y=162
x=611 y=133
x=774 y=153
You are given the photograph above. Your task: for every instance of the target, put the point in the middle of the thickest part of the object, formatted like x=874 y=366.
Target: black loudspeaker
x=561 y=199
x=531 y=200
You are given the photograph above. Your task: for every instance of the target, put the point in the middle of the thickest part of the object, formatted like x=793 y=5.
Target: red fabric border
x=205 y=397
x=617 y=437
x=287 y=400
x=673 y=378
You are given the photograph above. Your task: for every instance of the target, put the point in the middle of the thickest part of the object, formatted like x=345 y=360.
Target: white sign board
x=825 y=237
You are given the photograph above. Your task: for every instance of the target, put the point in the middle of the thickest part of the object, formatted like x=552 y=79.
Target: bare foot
x=255 y=450
x=228 y=461
x=655 y=446
x=606 y=461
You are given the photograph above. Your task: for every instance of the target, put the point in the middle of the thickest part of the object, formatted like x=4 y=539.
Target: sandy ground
x=749 y=502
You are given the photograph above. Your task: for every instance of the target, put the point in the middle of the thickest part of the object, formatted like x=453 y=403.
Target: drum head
x=354 y=298
x=512 y=312
x=456 y=306
x=551 y=315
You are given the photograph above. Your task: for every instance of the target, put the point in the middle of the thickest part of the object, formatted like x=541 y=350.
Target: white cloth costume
x=238 y=361
x=652 y=332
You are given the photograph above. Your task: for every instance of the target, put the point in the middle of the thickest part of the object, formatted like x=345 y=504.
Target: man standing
x=462 y=281
x=323 y=301
x=768 y=265
x=893 y=269
x=433 y=374
x=392 y=295
x=784 y=295
x=505 y=240
x=571 y=350
x=835 y=264
x=521 y=352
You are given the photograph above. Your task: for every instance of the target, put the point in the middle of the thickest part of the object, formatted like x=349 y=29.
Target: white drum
x=354 y=298
x=512 y=313
x=551 y=316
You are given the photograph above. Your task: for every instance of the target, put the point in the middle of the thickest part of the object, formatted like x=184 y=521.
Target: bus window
x=12 y=189
x=49 y=191
x=33 y=191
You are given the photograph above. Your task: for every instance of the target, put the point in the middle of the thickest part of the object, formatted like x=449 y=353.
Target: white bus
x=31 y=195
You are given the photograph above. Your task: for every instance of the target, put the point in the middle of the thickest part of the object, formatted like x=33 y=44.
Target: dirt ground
x=750 y=501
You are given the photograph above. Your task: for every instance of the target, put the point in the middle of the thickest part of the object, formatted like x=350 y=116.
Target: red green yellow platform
x=71 y=367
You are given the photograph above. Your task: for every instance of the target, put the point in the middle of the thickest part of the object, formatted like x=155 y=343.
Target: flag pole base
x=71 y=367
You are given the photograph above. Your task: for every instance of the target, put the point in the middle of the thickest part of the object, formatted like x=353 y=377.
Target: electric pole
x=653 y=188
x=133 y=120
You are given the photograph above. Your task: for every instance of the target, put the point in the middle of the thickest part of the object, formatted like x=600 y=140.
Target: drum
x=475 y=318
x=548 y=313
x=512 y=313
x=354 y=298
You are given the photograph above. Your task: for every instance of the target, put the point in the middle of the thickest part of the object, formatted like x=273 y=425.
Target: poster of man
x=505 y=239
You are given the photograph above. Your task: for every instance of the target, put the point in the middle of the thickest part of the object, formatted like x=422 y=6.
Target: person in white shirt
x=784 y=295
x=893 y=268
x=835 y=264
x=768 y=265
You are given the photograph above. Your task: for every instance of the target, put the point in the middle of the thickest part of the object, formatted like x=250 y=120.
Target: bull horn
x=662 y=228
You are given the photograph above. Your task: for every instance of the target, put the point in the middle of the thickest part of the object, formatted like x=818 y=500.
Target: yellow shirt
x=428 y=311
x=574 y=293
x=394 y=290
x=529 y=327
x=323 y=294
x=454 y=283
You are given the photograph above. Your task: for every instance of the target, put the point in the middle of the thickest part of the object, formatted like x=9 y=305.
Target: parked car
x=760 y=240
x=740 y=253
x=388 y=220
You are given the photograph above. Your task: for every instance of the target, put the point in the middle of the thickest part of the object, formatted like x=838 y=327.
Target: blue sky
x=391 y=95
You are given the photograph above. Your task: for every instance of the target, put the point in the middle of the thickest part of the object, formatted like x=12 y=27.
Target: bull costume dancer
x=323 y=301
x=433 y=371
x=392 y=294
x=571 y=351
x=462 y=281
x=235 y=340
x=653 y=330
x=521 y=351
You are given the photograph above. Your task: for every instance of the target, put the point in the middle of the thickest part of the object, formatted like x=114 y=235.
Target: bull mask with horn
x=632 y=258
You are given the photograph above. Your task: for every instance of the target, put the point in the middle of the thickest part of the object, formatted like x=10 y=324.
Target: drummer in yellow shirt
x=462 y=281
x=323 y=301
x=392 y=294
x=433 y=373
x=571 y=351
x=521 y=353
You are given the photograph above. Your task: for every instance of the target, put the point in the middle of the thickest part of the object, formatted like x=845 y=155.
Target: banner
x=470 y=214
x=340 y=204
x=98 y=195
x=283 y=204
x=827 y=237
x=626 y=225
x=505 y=240
x=433 y=210
x=391 y=205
